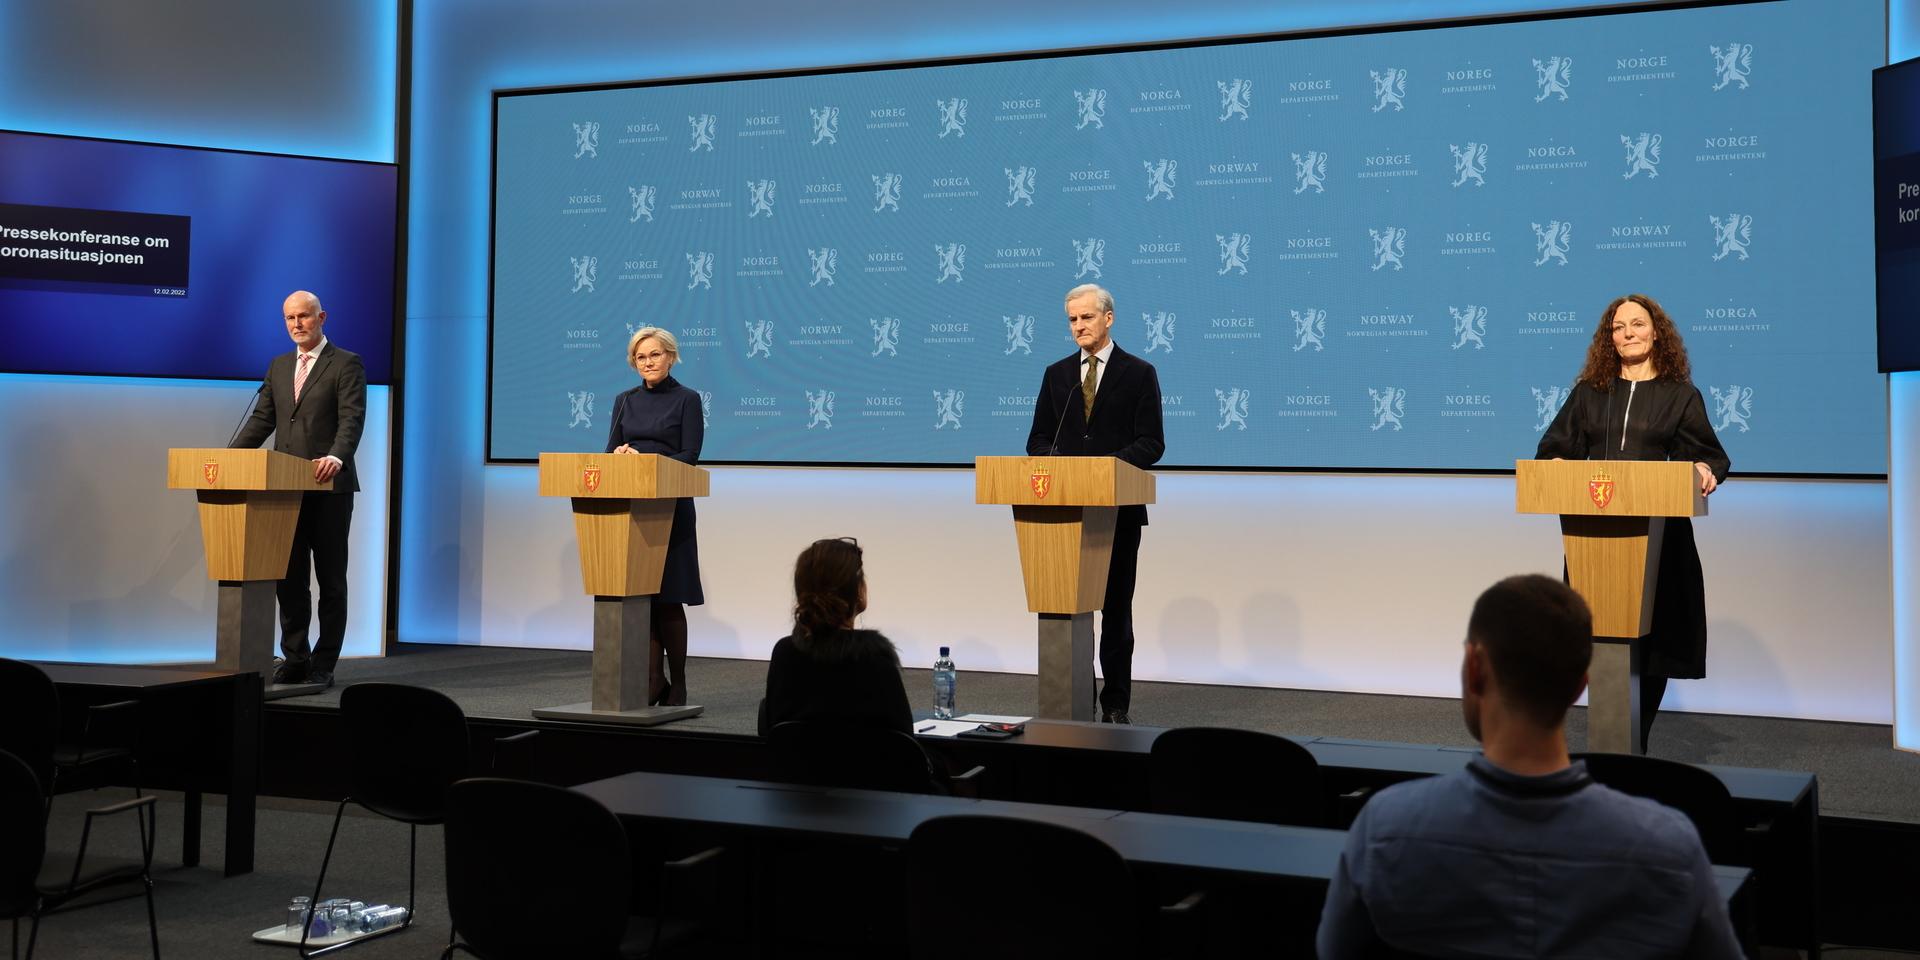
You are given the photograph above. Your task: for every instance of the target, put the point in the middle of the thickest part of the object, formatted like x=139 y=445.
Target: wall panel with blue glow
x=304 y=79
x=1349 y=587
x=1903 y=474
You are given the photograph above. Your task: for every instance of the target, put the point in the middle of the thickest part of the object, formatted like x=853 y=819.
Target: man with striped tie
x=314 y=404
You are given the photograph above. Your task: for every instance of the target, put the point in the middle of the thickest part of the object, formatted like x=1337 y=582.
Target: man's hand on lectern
x=324 y=469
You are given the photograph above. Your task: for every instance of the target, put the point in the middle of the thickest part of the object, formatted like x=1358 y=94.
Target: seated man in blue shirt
x=1521 y=854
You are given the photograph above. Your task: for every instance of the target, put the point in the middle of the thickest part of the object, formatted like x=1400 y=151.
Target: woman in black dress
x=1635 y=400
x=661 y=416
x=827 y=670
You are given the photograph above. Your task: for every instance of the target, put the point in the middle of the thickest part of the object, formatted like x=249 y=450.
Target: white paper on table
x=992 y=718
x=943 y=728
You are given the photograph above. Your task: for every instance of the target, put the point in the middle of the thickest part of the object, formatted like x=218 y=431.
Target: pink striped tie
x=300 y=377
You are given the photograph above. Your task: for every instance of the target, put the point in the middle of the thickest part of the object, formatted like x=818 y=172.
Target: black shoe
x=325 y=678
x=1116 y=716
x=288 y=672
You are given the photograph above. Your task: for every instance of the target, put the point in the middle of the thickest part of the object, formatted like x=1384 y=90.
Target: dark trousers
x=1116 y=616
x=319 y=553
x=1653 y=688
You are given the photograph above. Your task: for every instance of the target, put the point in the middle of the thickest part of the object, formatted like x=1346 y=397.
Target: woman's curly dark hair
x=826 y=590
x=1669 y=352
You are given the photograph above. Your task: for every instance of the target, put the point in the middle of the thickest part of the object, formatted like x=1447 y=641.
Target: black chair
x=406 y=746
x=29 y=885
x=514 y=756
x=30 y=728
x=1700 y=795
x=808 y=883
x=1229 y=774
x=537 y=871
x=858 y=756
x=1025 y=889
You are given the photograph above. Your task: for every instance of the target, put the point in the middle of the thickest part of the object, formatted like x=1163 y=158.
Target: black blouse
x=853 y=676
x=1656 y=419
x=663 y=419
x=666 y=419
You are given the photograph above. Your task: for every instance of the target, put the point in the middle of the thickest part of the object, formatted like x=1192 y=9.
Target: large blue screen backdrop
x=218 y=238
x=1383 y=251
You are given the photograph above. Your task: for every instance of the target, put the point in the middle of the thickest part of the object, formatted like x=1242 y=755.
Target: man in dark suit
x=1104 y=401
x=314 y=404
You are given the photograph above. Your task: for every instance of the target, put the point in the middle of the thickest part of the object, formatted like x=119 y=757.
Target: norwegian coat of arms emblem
x=1600 y=488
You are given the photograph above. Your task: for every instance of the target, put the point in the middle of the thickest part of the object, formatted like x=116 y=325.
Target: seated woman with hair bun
x=827 y=670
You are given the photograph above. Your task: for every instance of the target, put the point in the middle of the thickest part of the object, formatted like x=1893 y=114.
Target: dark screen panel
x=1896 y=212
x=143 y=260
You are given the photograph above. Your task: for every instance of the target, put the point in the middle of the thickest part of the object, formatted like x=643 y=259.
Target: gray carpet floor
x=1861 y=775
x=202 y=915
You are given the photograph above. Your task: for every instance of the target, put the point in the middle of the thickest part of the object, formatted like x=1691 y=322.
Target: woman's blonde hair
x=667 y=343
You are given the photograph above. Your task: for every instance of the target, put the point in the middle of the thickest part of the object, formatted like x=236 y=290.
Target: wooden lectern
x=622 y=513
x=249 y=506
x=1063 y=517
x=1612 y=519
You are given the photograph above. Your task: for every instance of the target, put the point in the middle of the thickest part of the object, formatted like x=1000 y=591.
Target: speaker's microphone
x=242 y=425
x=1606 y=432
x=1053 y=449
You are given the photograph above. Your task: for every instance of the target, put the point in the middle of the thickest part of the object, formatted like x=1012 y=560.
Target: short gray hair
x=667 y=343
x=1093 y=290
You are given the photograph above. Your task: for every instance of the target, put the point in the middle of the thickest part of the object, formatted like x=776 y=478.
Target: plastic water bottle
x=380 y=918
x=944 y=681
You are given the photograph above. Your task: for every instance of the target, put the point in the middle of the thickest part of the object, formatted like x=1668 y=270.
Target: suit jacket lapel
x=319 y=364
x=283 y=382
x=1109 y=378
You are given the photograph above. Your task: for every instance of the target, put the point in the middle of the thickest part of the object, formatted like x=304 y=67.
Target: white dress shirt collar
x=1105 y=355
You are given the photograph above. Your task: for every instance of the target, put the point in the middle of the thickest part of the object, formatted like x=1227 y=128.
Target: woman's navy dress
x=1652 y=420
x=667 y=420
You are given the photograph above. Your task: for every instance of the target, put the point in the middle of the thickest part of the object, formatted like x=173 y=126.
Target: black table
x=200 y=730
x=1189 y=845
x=877 y=816
x=1156 y=839
x=1072 y=762
x=1374 y=759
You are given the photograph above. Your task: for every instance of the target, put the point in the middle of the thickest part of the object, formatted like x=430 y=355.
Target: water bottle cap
x=943 y=651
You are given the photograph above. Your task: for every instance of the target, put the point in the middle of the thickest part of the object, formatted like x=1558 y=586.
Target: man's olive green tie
x=1087 y=386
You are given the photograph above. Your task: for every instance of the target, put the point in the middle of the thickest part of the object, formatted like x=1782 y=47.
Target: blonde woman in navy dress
x=662 y=416
x=1635 y=400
